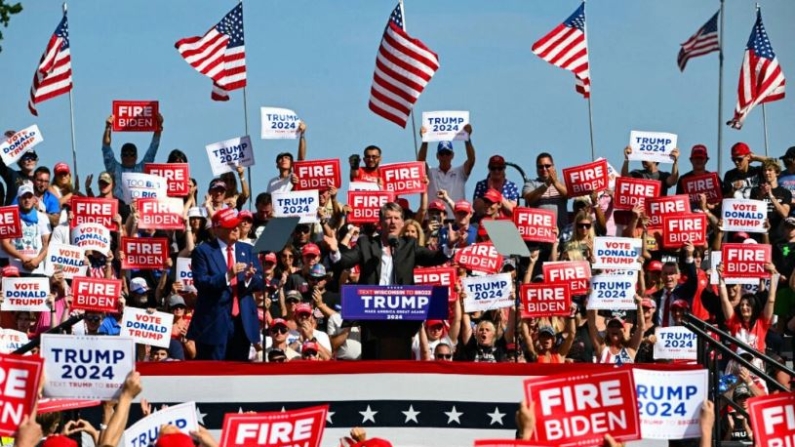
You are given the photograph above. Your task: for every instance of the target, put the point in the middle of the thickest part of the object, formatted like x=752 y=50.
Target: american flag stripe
x=566 y=47
x=53 y=75
x=761 y=77
x=403 y=68
x=220 y=54
x=704 y=41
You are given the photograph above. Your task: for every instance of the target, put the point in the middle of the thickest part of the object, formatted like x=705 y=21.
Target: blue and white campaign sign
x=135 y=185
x=363 y=186
x=28 y=294
x=652 y=146
x=279 y=124
x=91 y=236
x=147 y=328
x=145 y=432
x=744 y=215
x=675 y=343
x=12 y=148
x=11 y=340
x=669 y=402
x=487 y=292
x=619 y=253
x=445 y=125
x=417 y=303
x=184 y=272
x=86 y=366
x=612 y=292
x=303 y=204
x=226 y=156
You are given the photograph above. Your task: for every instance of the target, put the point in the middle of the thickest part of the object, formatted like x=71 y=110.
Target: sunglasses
x=584 y=226
x=279 y=330
x=302 y=230
x=30 y=158
x=309 y=354
x=544 y=166
x=738 y=159
x=93 y=319
x=372 y=157
x=291 y=300
x=497 y=168
x=128 y=154
x=444 y=356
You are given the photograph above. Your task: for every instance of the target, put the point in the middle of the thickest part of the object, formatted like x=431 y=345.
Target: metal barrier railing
x=54 y=330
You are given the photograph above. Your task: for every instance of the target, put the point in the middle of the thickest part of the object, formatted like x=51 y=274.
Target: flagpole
x=764 y=127
x=411 y=112
x=72 y=126
x=590 y=110
x=245 y=122
x=720 y=88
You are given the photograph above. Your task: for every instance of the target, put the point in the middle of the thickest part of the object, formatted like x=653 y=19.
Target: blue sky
x=317 y=58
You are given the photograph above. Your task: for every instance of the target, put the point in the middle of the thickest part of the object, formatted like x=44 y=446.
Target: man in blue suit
x=226 y=273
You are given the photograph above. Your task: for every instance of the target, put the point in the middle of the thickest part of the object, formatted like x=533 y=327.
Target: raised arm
x=301 y=141
x=470 y=161
x=625 y=166
x=725 y=304
x=770 y=304
x=571 y=329
x=674 y=177
x=113 y=433
x=640 y=325
x=592 y=332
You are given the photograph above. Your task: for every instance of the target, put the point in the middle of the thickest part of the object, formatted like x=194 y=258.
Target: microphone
x=392 y=241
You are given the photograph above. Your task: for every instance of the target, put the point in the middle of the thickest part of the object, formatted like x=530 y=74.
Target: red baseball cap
x=680 y=304
x=431 y=323
x=303 y=308
x=648 y=302
x=493 y=196
x=177 y=439
x=61 y=168
x=59 y=441
x=654 y=266
x=740 y=149
x=245 y=214
x=496 y=161
x=373 y=442
x=10 y=270
x=699 y=151
x=403 y=203
x=278 y=322
x=226 y=218
x=462 y=205
x=270 y=257
x=437 y=205
x=310 y=249
x=309 y=346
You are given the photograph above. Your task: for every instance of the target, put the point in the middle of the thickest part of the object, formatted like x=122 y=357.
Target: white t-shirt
x=61 y=235
x=351 y=349
x=30 y=243
x=278 y=184
x=415 y=345
x=453 y=181
x=321 y=337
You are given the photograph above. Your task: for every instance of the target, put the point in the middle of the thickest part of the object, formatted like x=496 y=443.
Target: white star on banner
x=368 y=415
x=328 y=417
x=411 y=415
x=496 y=417
x=453 y=415
x=200 y=416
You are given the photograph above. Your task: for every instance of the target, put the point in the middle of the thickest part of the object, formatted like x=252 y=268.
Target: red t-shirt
x=365 y=175
x=754 y=336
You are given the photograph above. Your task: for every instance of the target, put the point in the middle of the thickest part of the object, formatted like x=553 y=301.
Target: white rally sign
x=184 y=272
x=279 y=124
x=226 y=156
x=11 y=340
x=91 y=236
x=445 y=125
x=744 y=215
x=612 y=292
x=674 y=343
x=619 y=253
x=147 y=328
x=145 y=432
x=652 y=146
x=135 y=185
x=487 y=292
x=303 y=204
x=714 y=259
x=669 y=402
x=64 y=258
x=86 y=366
x=14 y=146
x=29 y=294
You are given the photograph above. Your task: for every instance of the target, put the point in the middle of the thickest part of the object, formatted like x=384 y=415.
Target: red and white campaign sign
x=438 y=276
x=577 y=409
x=68 y=259
x=23 y=141
x=91 y=236
x=403 y=178
x=536 y=224
x=135 y=116
x=583 y=179
x=160 y=214
x=177 y=177
x=302 y=427
x=48 y=405
x=633 y=191
x=19 y=389
x=480 y=258
x=366 y=205
x=26 y=294
x=94 y=210
x=576 y=274
x=506 y=443
x=773 y=419
x=144 y=253
x=146 y=327
x=678 y=230
x=10 y=225
x=744 y=215
x=620 y=253
x=96 y=294
x=545 y=300
x=317 y=174
x=745 y=260
x=707 y=184
x=658 y=207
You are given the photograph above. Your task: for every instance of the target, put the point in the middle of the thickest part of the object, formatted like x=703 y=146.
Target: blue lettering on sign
x=232 y=153
x=186 y=274
x=149 y=437
x=394 y=302
x=488 y=290
x=24 y=140
x=661 y=401
x=99 y=356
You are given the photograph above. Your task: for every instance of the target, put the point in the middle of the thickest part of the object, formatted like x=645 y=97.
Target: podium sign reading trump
x=19 y=387
x=578 y=409
x=408 y=303
x=303 y=427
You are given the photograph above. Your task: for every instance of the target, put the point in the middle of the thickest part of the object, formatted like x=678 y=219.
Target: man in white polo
x=445 y=176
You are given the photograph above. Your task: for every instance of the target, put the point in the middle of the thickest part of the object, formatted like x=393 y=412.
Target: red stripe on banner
x=546 y=39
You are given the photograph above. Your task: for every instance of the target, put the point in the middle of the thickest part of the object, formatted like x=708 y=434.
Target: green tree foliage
x=6 y=11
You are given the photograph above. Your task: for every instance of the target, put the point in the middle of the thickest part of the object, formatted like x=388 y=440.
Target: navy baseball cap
x=444 y=146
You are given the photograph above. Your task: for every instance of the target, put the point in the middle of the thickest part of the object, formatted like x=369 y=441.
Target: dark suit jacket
x=684 y=291
x=212 y=323
x=367 y=254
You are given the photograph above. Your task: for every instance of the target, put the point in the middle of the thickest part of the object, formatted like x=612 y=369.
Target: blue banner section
x=407 y=303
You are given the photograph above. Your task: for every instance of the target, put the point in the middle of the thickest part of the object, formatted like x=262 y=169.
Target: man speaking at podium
x=386 y=259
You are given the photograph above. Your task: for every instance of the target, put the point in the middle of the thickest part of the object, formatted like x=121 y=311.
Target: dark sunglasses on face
x=302 y=230
x=30 y=158
x=444 y=356
x=309 y=354
x=128 y=154
x=279 y=330
x=584 y=226
x=738 y=159
x=543 y=166
x=93 y=319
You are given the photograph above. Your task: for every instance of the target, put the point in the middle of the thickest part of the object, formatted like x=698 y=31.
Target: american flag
x=53 y=76
x=704 y=41
x=220 y=54
x=403 y=68
x=761 y=78
x=566 y=47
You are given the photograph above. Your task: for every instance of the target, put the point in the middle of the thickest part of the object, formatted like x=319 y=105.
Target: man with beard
x=369 y=172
